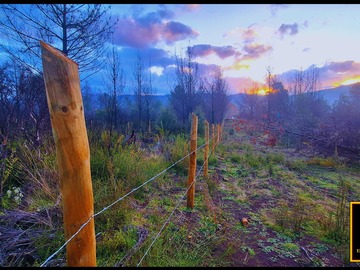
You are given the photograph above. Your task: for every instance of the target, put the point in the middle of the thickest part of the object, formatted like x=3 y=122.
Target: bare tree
x=279 y=100
x=216 y=97
x=139 y=90
x=23 y=106
x=186 y=93
x=79 y=31
x=268 y=92
x=308 y=108
x=114 y=81
x=149 y=91
x=249 y=103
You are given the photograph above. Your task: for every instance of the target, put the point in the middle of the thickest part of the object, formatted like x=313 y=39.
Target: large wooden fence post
x=72 y=153
x=206 y=152
x=192 y=162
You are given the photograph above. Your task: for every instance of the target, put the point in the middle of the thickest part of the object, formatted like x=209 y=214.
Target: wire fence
x=129 y=193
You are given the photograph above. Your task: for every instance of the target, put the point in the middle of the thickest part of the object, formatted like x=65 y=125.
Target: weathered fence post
x=218 y=134
x=192 y=162
x=72 y=153
x=206 y=151
x=213 y=137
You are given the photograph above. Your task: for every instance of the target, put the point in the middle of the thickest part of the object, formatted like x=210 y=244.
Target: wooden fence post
x=213 y=137
x=72 y=153
x=206 y=152
x=192 y=162
x=218 y=134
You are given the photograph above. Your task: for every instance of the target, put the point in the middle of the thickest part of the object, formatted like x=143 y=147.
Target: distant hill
x=96 y=100
x=330 y=95
x=333 y=94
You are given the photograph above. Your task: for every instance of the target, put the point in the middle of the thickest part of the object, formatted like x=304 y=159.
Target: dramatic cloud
x=222 y=52
x=174 y=31
x=331 y=74
x=334 y=73
x=150 y=29
x=341 y=67
x=288 y=29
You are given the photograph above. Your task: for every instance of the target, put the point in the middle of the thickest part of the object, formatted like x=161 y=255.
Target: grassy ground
x=296 y=206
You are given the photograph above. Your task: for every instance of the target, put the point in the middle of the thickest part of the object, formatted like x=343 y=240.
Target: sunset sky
x=244 y=39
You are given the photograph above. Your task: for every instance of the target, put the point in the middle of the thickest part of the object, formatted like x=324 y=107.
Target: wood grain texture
x=72 y=153
x=192 y=162
x=206 y=151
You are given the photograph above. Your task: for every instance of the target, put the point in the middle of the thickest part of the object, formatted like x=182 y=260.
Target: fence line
x=118 y=200
x=167 y=220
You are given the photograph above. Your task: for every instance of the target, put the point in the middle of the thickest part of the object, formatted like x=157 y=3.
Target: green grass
x=307 y=196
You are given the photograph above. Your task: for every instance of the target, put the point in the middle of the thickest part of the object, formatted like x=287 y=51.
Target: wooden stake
x=72 y=153
x=206 y=152
x=218 y=134
x=192 y=162
x=213 y=138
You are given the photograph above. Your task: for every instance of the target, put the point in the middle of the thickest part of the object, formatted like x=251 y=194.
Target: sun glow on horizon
x=349 y=81
x=260 y=91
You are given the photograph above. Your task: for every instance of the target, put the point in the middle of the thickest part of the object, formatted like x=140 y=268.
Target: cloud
x=239 y=84
x=288 y=29
x=330 y=75
x=341 y=67
x=174 y=31
x=150 y=56
x=274 y=8
x=254 y=50
x=247 y=34
x=334 y=73
x=141 y=31
x=223 y=52
x=191 y=7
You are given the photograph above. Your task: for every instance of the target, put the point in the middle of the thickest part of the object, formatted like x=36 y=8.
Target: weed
x=296 y=164
x=235 y=158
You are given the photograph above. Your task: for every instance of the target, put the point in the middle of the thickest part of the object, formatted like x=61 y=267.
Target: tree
x=345 y=120
x=114 y=81
x=308 y=108
x=306 y=103
x=216 y=97
x=279 y=101
x=148 y=100
x=186 y=94
x=23 y=105
x=79 y=31
x=249 y=103
x=268 y=93
x=139 y=90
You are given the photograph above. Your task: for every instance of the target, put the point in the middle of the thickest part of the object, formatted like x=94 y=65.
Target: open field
x=296 y=206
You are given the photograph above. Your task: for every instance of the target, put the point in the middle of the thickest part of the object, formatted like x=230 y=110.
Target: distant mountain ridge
x=331 y=95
